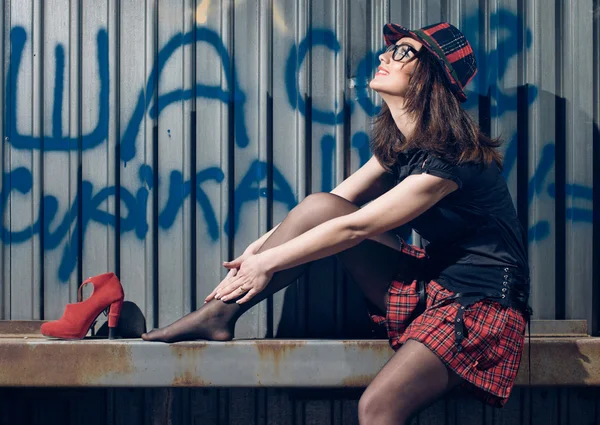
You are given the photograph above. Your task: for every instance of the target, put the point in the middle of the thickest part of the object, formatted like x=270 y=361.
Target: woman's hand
x=250 y=250
x=251 y=278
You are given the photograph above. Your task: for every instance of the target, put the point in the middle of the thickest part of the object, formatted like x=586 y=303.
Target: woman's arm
x=415 y=195
x=255 y=246
x=365 y=184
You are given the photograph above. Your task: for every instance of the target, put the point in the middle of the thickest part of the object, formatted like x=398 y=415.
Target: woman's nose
x=384 y=57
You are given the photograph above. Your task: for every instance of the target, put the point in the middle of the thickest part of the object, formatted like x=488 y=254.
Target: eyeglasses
x=402 y=52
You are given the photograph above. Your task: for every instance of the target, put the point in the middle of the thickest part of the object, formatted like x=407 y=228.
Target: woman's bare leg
x=412 y=379
x=372 y=265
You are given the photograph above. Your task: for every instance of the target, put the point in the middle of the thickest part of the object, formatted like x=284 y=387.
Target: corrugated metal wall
x=159 y=138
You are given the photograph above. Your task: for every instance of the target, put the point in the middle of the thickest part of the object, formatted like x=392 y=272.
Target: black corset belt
x=514 y=292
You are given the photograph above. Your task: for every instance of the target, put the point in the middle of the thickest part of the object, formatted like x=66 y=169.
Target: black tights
x=372 y=264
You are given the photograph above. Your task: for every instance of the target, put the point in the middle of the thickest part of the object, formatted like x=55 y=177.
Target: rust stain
x=63 y=364
x=188 y=379
x=358 y=381
x=187 y=358
x=369 y=345
x=379 y=348
x=187 y=349
x=277 y=350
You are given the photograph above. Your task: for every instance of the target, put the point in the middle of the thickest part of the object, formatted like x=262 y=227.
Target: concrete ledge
x=37 y=362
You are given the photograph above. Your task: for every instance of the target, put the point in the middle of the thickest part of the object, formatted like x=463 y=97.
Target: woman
x=454 y=312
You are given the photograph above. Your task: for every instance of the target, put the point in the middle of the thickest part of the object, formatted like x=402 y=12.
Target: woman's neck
x=404 y=121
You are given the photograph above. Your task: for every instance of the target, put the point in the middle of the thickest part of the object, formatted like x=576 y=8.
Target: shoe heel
x=113 y=318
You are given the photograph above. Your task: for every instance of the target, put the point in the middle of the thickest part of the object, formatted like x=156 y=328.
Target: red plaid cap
x=448 y=44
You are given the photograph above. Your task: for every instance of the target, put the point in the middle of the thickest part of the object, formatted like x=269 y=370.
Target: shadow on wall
x=323 y=299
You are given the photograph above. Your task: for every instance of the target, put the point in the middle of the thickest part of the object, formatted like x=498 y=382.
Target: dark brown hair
x=442 y=126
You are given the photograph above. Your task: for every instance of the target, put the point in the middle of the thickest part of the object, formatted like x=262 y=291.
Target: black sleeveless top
x=472 y=237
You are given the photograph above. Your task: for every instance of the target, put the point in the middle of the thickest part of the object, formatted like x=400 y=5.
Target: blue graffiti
x=251 y=187
x=249 y=190
x=135 y=206
x=493 y=65
x=56 y=142
x=316 y=37
x=60 y=143
x=235 y=95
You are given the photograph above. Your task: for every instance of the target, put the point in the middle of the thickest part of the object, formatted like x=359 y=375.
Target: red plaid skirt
x=492 y=345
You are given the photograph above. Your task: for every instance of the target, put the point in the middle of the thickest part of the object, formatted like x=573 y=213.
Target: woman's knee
x=366 y=408
x=324 y=206
x=375 y=408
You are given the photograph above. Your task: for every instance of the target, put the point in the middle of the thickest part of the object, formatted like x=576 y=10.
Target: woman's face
x=396 y=66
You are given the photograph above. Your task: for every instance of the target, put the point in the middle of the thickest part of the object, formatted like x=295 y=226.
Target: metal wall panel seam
x=266 y=129
x=171 y=149
x=322 y=289
x=417 y=12
x=113 y=162
x=439 y=12
x=97 y=37
x=543 y=279
x=380 y=15
x=400 y=12
x=301 y=82
x=279 y=27
x=20 y=205
x=247 y=58
x=193 y=166
x=455 y=11
x=227 y=143
x=302 y=136
x=341 y=16
x=285 y=144
x=5 y=55
x=504 y=89
x=37 y=128
x=491 y=83
x=132 y=173
x=55 y=172
x=595 y=325
x=265 y=90
x=342 y=148
x=150 y=145
x=579 y=166
x=74 y=156
x=211 y=140
x=189 y=64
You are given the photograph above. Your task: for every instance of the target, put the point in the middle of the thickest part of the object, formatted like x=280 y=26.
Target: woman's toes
x=153 y=335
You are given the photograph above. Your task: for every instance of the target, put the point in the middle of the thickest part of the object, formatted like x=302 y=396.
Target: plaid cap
x=449 y=46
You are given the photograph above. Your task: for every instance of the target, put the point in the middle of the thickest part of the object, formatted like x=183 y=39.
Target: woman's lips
x=381 y=71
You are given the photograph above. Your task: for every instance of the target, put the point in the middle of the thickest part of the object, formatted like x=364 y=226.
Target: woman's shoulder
x=463 y=173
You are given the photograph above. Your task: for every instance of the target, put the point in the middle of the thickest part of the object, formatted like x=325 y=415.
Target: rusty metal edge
x=544 y=328
x=20 y=327
x=253 y=363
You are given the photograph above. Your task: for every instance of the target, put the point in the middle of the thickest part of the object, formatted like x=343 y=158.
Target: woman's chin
x=375 y=85
x=383 y=89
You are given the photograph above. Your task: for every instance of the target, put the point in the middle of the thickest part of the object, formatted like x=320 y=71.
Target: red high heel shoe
x=78 y=318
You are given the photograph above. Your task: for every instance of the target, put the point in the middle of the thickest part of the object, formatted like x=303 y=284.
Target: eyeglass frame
x=394 y=48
